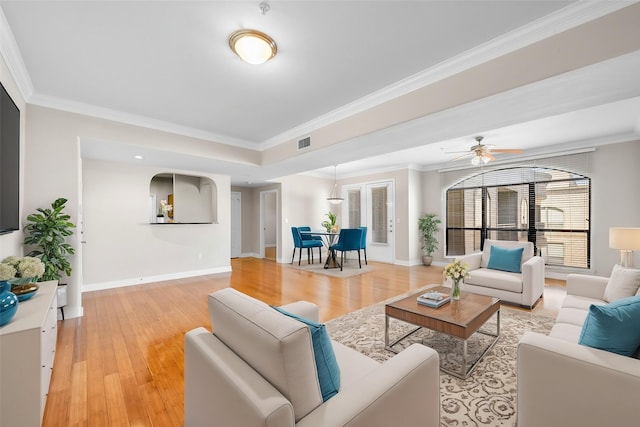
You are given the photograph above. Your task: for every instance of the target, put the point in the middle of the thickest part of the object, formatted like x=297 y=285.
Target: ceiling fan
x=483 y=153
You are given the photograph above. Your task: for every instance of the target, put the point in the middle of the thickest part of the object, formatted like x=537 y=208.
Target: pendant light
x=334 y=199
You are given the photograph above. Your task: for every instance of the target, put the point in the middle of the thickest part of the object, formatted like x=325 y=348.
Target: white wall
x=123 y=248
x=303 y=202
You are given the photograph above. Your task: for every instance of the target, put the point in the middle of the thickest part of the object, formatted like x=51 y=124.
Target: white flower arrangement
x=165 y=207
x=21 y=267
x=456 y=271
x=7 y=272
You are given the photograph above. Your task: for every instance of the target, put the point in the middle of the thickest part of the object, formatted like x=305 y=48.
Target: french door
x=371 y=205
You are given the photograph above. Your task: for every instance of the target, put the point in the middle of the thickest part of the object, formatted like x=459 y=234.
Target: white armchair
x=258 y=369
x=524 y=288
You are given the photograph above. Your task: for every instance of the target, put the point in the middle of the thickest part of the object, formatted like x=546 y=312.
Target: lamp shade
x=253 y=46
x=624 y=238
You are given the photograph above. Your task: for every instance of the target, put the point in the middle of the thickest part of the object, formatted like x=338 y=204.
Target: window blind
x=547 y=202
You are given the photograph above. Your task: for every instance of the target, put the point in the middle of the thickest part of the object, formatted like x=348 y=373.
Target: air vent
x=304 y=143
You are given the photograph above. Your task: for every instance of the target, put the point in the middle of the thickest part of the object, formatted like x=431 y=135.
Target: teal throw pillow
x=326 y=363
x=614 y=327
x=505 y=259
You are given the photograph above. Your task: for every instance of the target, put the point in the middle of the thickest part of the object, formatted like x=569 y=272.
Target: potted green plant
x=330 y=225
x=47 y=231
x=428 y=226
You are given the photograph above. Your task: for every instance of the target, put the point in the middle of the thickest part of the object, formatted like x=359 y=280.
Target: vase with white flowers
x=165 y=208
x=456 y=271
x=26 y=272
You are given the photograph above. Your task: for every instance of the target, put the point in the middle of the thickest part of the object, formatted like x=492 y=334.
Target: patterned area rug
x=488 y=396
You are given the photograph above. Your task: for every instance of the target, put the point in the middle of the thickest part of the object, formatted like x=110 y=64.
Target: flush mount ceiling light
x=252 y=46
x=334 y=199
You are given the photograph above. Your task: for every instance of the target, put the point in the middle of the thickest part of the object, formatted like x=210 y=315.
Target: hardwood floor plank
x=116 y=405
x=78 y=399
x=123 y=362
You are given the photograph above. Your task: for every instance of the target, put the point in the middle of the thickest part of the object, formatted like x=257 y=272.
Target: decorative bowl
x=24 y=292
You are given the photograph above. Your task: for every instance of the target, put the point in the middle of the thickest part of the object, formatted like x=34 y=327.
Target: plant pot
x=427 y=260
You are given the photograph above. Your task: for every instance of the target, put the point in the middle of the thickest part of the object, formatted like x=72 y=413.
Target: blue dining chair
x=363 y=243
x=308 y=237
x=350 y=239
x=300 y=244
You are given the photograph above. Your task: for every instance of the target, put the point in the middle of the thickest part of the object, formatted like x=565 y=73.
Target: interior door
x=379 y=221
x=371 y=205
x=236 y=224
x=269 y=224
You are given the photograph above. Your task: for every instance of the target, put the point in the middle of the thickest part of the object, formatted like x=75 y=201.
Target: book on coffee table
x=433 y=299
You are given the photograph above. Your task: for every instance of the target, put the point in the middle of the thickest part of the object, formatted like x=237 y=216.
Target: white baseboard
x=250 y=255
x=150 y=279
x=71 y=312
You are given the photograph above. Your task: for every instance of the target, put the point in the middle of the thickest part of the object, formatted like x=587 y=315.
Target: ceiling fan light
x=253 y=47
x=475 y=161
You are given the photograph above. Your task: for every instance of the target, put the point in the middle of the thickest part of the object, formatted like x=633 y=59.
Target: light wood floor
x=122 y=363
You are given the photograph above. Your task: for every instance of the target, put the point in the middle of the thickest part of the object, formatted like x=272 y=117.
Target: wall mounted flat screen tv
x=9 y=164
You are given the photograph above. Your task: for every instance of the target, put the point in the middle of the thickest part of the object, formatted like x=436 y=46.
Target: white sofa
x=524 y=289
x=563 y=383
x=258 y=369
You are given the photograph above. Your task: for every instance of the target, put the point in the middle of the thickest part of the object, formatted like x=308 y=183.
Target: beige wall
x=54 y=170
x=615 y=200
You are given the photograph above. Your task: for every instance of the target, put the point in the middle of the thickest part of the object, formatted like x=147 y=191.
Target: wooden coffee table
x=458 y=319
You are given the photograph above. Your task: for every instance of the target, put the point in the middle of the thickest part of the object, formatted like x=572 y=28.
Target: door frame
x=364 y=212
x=235 y=217
x=263 y=195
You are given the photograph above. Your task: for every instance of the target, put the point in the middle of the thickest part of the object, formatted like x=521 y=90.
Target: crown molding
x=12 y=57
x=569 y=17
x=565 y=19
x=132 y=119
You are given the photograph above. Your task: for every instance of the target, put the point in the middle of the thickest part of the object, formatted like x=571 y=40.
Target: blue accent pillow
x=326 y=363
x=614 y=327
x=505 y=259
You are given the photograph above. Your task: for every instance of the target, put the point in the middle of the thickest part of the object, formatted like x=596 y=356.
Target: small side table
x=62 y=298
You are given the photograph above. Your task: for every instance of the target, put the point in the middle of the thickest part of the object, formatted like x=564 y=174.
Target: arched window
x=548 y=207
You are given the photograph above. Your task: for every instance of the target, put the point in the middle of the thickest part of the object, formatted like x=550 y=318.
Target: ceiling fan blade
x=489 y=155
x=507 y=150
x=456 y=152
x=467 y=154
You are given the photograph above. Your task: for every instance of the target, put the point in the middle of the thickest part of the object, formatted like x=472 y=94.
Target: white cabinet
x=27 y=348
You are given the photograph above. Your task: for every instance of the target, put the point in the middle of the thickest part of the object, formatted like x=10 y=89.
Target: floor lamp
x=627 y=239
